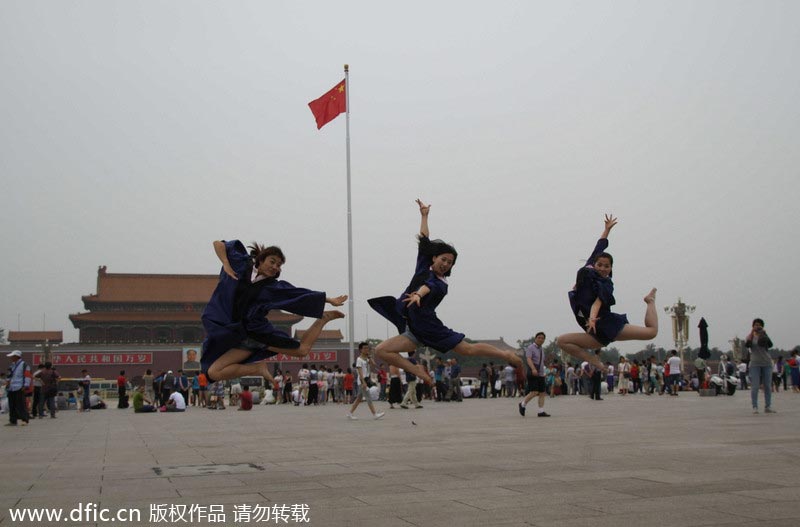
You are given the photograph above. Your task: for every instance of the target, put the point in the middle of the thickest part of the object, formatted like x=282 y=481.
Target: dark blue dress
x=589 y=286
x=236 y=314
x=420 y=320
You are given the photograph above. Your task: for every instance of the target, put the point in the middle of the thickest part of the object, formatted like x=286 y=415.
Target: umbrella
x=703 y=353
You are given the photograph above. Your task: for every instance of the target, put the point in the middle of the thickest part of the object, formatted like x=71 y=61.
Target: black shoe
x=543 y=414
x=599 y=399
x=521 y=409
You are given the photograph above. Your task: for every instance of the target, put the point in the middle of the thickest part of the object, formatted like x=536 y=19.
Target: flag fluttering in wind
x=325 y=110
x=327 y=107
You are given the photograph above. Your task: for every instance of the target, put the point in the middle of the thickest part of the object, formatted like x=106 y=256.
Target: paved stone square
x=623 y=461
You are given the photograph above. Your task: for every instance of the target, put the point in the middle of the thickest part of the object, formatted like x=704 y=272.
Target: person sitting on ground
x=61 y=401
x=139 y=401
x=236 y=391
x=246 y=399
x=175 y=403
x=96 y=402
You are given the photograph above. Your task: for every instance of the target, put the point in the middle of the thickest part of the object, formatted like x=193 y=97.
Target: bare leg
x=229 y=366
x=310 y=336
x=650 y=329
x=481 y=349
x=389 y=350
x=576 y=345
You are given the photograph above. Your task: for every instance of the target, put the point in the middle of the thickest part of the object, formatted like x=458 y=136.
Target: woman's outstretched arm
x=423 y=211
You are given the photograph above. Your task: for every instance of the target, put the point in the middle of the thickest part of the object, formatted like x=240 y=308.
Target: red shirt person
x=246 y=399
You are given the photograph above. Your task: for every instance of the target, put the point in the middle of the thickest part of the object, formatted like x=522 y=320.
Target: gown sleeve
x=601 y=246
x=284 y=296
x=603 y=289
x=237 y=256
x=423 y=255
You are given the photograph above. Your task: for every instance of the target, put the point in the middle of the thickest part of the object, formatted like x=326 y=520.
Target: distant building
x=18 y=339
x=151 y=309
x=136 y=322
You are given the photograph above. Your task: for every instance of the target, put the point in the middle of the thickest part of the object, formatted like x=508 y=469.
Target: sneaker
x=769 y=410
x=521 y=409
x=404 y=407
x=23 y=423
x=755 y=410
x=542 y=414
x=379 y=415
x=418 y=406
x=352 y=417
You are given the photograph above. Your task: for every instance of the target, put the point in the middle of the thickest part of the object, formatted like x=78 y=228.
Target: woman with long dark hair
x=591 y=300
x=414 y=312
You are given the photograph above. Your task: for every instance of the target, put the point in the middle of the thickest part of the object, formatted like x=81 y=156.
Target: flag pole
x=350 y=308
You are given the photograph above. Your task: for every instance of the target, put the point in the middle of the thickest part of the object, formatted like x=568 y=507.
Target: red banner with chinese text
x=101 y=358
x=314 y=356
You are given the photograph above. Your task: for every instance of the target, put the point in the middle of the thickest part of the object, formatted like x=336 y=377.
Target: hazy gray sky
x=132 y=134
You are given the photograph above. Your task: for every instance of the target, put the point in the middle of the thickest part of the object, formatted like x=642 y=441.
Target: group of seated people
x=141 y=404
x=176 y=402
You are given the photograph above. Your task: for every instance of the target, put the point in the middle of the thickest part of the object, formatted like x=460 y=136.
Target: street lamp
x=680 y=325
x=736 y=348
x=46 y=348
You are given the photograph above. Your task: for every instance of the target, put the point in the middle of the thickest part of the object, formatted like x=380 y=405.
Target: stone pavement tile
x=267 y=485
x=54 y=500
x=321 y=470
x=755 y=523
x=449 y=467
x=141 y=473
x=321 y=506
x=774 y=493
x=135 y=485
x=355 y=480
x=384 y=522
x=432 y=510
x=205 y=492
x=76 y=493
x=769 y=511
x=436 y=482
x=384 y=489
x=669 y=489
x=45 y=483
x=381 y=467
x=270 y=476
x=462 y=495
x=721 y=502
x=140 y=491
x=538 y=498
x=215 y=480
x=683 y=516
x=224 y=499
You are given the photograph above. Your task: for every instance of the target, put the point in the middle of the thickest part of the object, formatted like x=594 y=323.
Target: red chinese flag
x=327 y=107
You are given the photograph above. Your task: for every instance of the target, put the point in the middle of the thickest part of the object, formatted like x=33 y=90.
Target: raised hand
x=337 y=301
x=610 y=221
x=423 y=209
